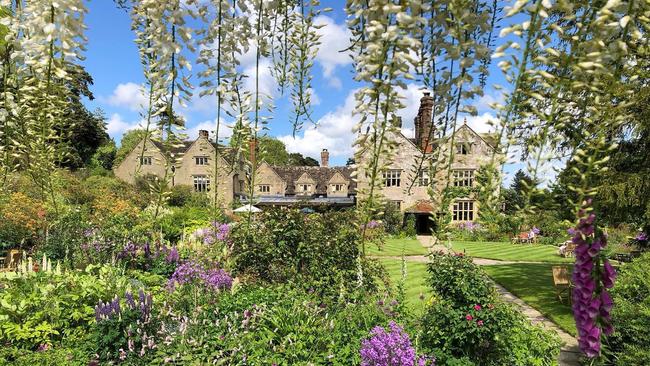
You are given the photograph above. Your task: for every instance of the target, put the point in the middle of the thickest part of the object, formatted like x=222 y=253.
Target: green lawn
x=415 y=283
x=511 y=252
x=533 y=283
x=394 y=247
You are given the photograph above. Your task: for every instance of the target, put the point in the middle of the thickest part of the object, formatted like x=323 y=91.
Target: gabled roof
x=320 y=175
x=180 y=148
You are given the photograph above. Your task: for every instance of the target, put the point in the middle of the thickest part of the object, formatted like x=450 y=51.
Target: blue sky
x=112 y=60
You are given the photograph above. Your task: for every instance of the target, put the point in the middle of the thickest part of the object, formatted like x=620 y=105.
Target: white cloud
x=129 y=95
x=411 y=100
x=481 y=122
x=267 y=84
x=334 y=39
x=116 y=126
x=332 y=132
x=225 y=131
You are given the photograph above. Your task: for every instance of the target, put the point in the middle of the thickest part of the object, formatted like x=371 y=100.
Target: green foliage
x=184 y=220
x=272 y=151
x=45 y=308
x=468 y=320
x=393 y=220
x=458 y=279
x=287 y=245
x=631 y=314
x=410 y=231
x=104 y=156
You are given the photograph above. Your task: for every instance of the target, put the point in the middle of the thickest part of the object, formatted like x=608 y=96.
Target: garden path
x=569 y=353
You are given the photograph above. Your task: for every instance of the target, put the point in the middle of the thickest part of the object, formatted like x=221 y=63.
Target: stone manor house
x=324 y=185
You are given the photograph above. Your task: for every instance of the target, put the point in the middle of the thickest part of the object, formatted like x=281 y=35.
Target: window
x=146 y=160
x=201 y=183
x=392 y=178
x=201 y=160
x=423 y=178
x=463 y=148
x=304 y=188
x=464 y=178
x=337 y=187
x=265 y=188
x=463 y=211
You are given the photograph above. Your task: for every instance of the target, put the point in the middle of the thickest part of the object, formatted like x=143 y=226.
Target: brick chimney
x=204 y=134
x=324 y=158
x=252 y=146
x=424 y=128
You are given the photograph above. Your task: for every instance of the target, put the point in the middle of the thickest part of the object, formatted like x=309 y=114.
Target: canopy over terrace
x=295 y=201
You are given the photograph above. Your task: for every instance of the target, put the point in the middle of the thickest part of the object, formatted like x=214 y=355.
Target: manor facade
x=273 y=185
x=407 y=187
x=324 y=185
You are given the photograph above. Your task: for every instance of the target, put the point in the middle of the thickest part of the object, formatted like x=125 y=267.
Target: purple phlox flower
x=372 y=224
x=189 y=271
x=535 y=230
x=641 y=237
x=390 y=347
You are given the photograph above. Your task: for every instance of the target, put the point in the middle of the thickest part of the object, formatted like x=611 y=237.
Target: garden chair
x=11 y=260
x=562 y=282
x=522 y=238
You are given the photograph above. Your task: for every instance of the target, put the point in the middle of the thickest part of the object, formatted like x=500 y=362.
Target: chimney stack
x=324 y=158
x=252 y=146
x=424 y=129
x=204 y=133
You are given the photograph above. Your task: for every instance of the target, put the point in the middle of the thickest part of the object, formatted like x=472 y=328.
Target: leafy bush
x=467 y=321
x=631 y=314
x=487 y=334
x=44 y=308
x=458 y=279
x=393 y=220
x=320 y=250
x=180 y=196
x=22 y=219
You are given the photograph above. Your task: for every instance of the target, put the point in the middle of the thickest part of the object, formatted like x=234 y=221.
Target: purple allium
x=641 y=237
x=535 y=230
x=592 y=303
x=390 y=348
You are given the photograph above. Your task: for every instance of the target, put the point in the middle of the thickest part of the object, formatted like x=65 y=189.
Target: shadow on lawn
x=533 y=283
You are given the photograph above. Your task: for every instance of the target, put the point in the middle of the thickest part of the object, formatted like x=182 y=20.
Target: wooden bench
x=562 y=282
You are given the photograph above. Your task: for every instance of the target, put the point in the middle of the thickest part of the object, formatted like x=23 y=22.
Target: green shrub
x=319 y=250
x=44 y=308
x=392 y=220
x=631 y=314
x=184 y=220
x=467 y=320
x=487 y=334
x=457 y=279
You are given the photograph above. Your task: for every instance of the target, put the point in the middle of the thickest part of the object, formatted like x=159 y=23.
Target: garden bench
x=562 y=282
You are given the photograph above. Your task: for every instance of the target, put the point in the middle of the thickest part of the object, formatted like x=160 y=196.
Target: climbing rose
x=390 y=348
x=592 y=304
